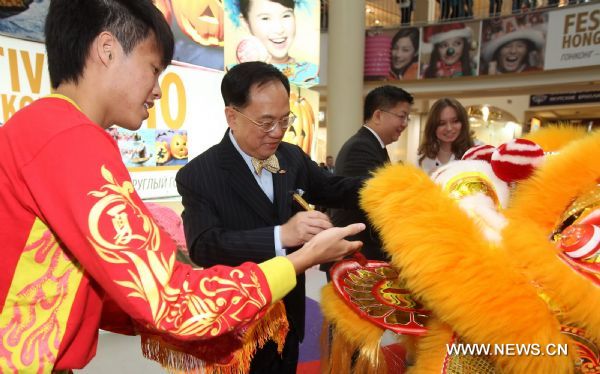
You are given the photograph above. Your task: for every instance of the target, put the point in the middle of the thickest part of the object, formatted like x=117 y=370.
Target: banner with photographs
x=539 y=40
x=285 y=33
x=197 y=26
x=190 y=108
x=436 y=51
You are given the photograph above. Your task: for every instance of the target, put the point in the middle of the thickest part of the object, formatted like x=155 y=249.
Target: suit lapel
x=242 y=181
x=282 y=186
x=367 y=134
x=385 y=155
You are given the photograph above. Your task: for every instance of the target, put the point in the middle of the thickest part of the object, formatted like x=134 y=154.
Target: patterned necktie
x=271 y=164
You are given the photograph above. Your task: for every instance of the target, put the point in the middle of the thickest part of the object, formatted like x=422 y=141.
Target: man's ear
x=105 y=46
x=231 y=117
x=376 y=117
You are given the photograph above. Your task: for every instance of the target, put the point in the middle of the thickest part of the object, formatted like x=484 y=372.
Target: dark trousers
x=444 y=9
x=468 y=8
x=516 y=6
x=405 y=14
x=495 y=8
x=268 y=361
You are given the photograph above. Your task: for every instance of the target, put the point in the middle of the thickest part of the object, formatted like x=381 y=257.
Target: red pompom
x=479 y=152
x=516 y=159
x=580 y=241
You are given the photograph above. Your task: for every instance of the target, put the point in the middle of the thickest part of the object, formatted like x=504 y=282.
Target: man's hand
x=327 y=246
x=302 y=227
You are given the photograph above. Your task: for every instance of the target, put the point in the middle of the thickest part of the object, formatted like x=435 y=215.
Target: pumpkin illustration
x=201 y=20
x=165 y=8
x=301 y=132
x=162 y=153
x=179 y=148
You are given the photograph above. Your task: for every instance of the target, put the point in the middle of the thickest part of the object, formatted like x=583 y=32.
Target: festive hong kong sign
x=573 y=37
x=184 y=122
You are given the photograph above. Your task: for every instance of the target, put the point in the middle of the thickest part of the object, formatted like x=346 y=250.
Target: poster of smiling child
x=284 y=33
x=449 y=50
x=513 y=44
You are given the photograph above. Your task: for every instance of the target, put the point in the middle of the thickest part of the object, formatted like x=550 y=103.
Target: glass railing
x=393 y=13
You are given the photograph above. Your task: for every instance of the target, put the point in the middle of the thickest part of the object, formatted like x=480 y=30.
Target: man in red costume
x=76 y=238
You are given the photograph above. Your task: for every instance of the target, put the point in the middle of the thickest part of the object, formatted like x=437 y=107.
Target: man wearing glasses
x=237 y=195
x=385 y=116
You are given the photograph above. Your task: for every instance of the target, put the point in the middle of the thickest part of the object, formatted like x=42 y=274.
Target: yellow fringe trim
x=431 y=348
x=351 y=335
x=464 y=280
x=272 y=326
x=537 y=207
x=553 y=138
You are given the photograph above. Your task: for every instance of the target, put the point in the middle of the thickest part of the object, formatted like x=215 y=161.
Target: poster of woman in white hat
x=513 y=44
x=450 y=50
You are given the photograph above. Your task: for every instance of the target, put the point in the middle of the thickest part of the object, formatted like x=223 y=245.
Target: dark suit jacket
x=229 y=220
x=359 y=156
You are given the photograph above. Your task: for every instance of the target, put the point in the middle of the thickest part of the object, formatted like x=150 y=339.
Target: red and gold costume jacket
x=77 y=240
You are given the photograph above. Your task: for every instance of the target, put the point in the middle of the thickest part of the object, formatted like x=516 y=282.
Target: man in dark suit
x=385 y=116
x=237 y=195
x=329 y=165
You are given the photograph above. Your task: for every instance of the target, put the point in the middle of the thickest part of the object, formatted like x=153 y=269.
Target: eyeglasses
x=284 y=123
x=401 y=117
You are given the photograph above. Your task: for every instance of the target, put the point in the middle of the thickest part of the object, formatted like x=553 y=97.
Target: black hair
x=72 y=26
x=236 y=84
x=245 y=5
x=413 y=34
x=384 y=97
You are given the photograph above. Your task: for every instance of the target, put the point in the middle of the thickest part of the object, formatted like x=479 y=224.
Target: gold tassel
x=341 y=353
x=431 y=348
x=273 y=326
x=324 y=343
x=351 y=335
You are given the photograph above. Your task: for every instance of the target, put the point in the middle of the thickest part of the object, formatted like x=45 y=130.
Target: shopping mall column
x=345 y=56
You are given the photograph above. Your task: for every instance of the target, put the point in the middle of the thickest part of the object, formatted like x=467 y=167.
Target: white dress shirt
x=265 y=181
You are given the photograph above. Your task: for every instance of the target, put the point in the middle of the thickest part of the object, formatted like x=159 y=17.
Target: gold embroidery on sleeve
x=148 y=270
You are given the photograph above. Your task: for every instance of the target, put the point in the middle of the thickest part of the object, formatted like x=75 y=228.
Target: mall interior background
x=507 y=98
